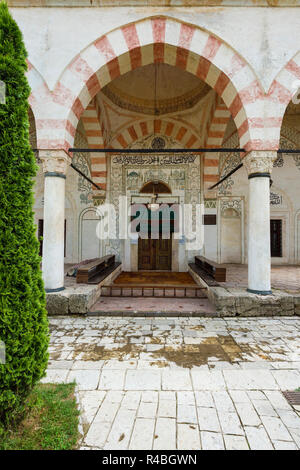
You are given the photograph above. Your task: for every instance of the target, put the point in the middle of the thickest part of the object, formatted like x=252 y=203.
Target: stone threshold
x=150 y=314
x=232 y=301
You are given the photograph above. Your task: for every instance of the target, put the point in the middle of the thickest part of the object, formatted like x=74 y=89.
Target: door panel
x=154 y=254
x=276 y=238
x=163 y=253
x=146 y=254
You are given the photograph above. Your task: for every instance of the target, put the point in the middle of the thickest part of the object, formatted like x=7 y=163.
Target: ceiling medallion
x=158 y=143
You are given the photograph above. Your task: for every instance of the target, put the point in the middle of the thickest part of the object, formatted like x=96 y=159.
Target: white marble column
x=259 y=166
x=55 y=163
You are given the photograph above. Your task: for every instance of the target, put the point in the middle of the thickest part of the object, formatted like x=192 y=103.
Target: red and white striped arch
x=285 y=85
x=215 y=137
x=91 y=120
x=152 y=40
x=52 y=126
x=177 y=131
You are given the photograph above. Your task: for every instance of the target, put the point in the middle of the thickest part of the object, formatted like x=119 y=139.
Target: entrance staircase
x=153 y=293
x=191 y=292
x=154 y=284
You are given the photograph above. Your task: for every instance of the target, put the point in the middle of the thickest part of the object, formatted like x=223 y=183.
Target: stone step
x=152 y=307
x=191 y=292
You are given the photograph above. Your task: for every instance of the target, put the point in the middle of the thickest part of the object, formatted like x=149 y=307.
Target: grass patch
x=50 y=421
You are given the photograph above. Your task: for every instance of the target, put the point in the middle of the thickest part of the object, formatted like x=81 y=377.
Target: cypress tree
x=23 y=316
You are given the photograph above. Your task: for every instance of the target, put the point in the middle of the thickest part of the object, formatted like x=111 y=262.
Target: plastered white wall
x=267 y=38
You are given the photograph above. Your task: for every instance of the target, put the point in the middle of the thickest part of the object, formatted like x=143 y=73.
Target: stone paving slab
x=222 y=390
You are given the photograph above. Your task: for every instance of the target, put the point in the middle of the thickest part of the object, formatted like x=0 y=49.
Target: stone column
x=259 y=166
x=55 y=163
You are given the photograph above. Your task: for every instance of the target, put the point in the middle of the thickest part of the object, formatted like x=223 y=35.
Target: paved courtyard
x=180 y=383
x=283 y=277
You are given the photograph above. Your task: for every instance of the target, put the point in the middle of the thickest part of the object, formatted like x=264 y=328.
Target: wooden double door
x=155 y=254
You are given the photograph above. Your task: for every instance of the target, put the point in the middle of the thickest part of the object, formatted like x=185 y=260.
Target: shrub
x=23 y=317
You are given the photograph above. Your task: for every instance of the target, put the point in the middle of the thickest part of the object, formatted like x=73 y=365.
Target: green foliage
x=23 y=317
x=50 y=423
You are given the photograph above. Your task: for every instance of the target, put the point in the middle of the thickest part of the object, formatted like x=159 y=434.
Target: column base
x=59 y=289
x=260 y=292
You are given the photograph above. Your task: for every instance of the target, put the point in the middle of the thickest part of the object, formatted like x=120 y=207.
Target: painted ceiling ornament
x=81 y=161
x=153 y=141
x=297 y=160
x=290 y=140
x=231 y=162
x=158 y=143
x=175 y=90
x=227 y=162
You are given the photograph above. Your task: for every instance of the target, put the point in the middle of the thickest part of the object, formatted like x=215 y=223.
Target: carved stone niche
x=231 y=208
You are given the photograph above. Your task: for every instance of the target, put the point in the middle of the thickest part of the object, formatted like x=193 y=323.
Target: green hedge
x=23 y=316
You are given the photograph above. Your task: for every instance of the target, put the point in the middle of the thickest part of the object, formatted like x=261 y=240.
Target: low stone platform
x=227 y=299
x=239 y=302
x=236 y=301
x=77 y=298
x=153 y=307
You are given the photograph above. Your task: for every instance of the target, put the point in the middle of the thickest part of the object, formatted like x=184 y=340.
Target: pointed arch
x=144 y=128
x=91 y=120
x=282 y=90
x=51 y=129
x=215 y=136
x=151 y=40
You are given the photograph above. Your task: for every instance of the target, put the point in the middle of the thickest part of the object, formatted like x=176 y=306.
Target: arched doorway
x=155 y=229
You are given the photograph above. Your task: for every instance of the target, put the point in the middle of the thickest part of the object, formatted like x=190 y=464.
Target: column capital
x=259 y=161
x=55 y=161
